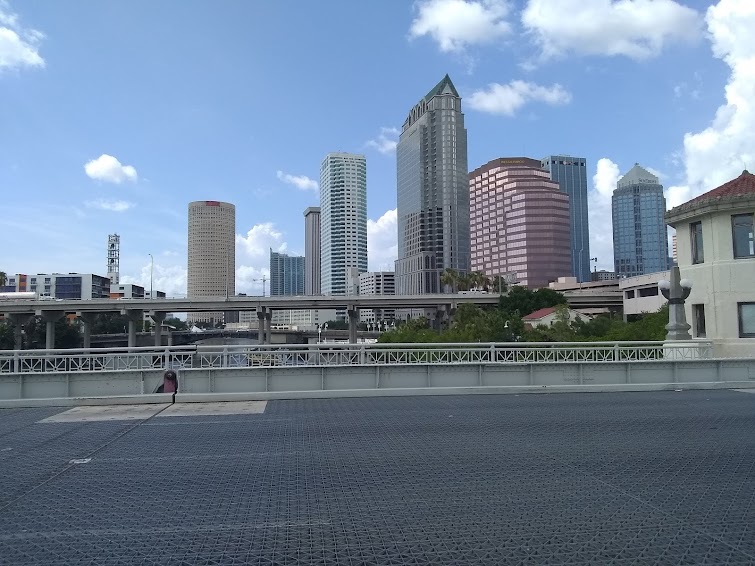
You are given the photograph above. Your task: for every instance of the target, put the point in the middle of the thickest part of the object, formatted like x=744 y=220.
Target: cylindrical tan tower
x=212 y=254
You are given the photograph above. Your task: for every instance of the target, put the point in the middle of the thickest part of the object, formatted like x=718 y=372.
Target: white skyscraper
x=343 y=217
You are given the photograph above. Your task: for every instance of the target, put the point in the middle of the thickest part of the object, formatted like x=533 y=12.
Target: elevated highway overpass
x=443 y=304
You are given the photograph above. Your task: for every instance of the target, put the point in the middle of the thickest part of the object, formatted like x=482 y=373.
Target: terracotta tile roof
x=538 y=314
x=742 y=185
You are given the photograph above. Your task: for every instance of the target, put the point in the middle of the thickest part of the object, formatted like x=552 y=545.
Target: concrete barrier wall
x=277 y=382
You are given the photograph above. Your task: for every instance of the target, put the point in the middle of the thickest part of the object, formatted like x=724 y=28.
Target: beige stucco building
x=716 y=252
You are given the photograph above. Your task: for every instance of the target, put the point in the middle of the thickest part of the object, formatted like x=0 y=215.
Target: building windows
x=742 y=235
x=696 y=237
x=698 y=315
x=746 y=313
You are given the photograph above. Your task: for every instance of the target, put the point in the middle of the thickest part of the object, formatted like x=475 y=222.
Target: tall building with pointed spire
x=640 y=241
x=433 y=192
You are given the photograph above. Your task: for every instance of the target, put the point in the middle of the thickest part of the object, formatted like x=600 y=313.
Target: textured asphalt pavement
x=604 y=478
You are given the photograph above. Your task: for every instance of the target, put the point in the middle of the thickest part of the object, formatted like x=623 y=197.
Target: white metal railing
x=240 y=356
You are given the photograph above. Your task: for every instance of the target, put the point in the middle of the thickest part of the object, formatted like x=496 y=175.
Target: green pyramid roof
x=438 y=89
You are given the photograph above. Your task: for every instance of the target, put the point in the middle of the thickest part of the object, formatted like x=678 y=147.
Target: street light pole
x=151 y=273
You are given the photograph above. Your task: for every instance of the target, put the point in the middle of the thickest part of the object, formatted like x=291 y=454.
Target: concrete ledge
x=497 y=390
x=157 y=398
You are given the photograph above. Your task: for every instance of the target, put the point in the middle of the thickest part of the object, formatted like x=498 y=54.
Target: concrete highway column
x=158 y=318
x=19 y=321
x=50 y=318
x=268 y=327
x=87 y=320
x=353 y=323
x=261 y=326
x=134 y=316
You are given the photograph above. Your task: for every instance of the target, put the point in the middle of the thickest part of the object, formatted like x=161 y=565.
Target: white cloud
x=111 y=205
x=107 y=168
x=253 y=257
x=168 y=278
x=507 y=99
x=719 y=152
x=387 y=141
x=382 y=242
x=259 y=240
x=637 y=29
x=599 y=205
x=18 y=46
x=249 y=280
x=301 y=182
x=455 y=24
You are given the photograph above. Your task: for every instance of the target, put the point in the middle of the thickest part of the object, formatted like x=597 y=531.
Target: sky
x=115 y=114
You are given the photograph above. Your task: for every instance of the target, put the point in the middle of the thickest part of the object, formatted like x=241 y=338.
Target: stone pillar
x=134 y=316
x=268 y=327
x=87 y=321
x=261 y=326
x=676 y=291
x=353 y=323
x=158 y=318
x=19 y=321
x=50 y=318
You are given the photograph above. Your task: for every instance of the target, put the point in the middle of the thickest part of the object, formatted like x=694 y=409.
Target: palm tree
x=449 y=278
x=498 y=285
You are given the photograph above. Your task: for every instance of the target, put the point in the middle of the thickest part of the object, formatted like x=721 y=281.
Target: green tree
x=450 y=278
x=67 y=335
x=6 y=336
x=3 y=278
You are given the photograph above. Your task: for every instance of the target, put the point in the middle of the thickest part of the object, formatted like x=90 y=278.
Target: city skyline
x=88 y=149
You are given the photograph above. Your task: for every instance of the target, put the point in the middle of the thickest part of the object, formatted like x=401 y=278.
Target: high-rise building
x=571 y=175
x=640 y=243
x=212 y=255
x=377 y=283
x=312 y=271
x=433 y=192
x=519 y=223
x=343 y=216
x=286 y=274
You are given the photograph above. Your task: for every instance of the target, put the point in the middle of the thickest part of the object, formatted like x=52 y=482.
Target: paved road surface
x=612 y=478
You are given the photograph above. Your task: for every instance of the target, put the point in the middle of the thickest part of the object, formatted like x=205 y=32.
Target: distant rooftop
x=637 y=176
x=445 y=86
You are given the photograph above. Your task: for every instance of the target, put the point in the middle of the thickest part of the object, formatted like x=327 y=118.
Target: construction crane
x=264 y=278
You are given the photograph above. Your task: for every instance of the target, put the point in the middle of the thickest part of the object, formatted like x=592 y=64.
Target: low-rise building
x=548 y=316
x=716 y=253
x=61 y=285
x=641 y=294
x=377 y=283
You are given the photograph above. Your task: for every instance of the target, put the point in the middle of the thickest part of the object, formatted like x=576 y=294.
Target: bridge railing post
x=16 y=362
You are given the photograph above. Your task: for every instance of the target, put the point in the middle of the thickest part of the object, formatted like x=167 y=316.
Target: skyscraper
x=286 y=274
x=312 y=271
x=519 y=222
x=343 y=216
x=433 y=192
x=640 y=244
x=212 y=254
x=571 y=175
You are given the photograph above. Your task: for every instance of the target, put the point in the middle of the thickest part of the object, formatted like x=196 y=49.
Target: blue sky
x=115 y=114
